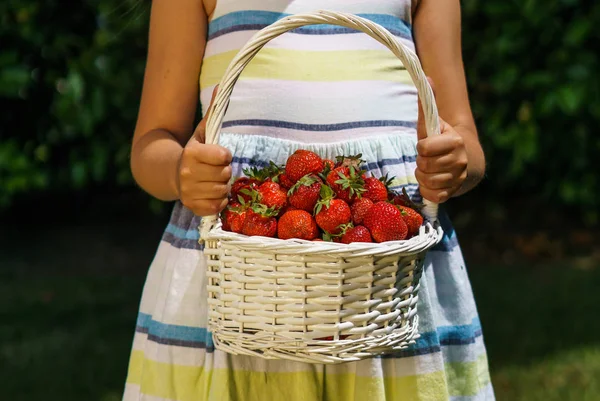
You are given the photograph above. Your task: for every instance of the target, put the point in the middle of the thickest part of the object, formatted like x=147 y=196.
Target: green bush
x=535 y=92
x=70 y=80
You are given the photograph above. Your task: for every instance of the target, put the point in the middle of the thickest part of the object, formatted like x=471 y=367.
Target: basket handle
x=261 y=38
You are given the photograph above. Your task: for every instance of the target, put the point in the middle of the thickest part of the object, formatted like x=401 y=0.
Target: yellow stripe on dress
x=311 y=66
x=191 y=383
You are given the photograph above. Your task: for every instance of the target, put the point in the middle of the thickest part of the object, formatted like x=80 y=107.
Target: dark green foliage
x=70 y=80
x=533 y=75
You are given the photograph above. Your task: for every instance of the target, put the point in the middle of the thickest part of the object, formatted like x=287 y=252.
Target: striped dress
x=334 y=91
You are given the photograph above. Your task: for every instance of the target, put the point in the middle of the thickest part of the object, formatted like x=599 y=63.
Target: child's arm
x=166 y=161
x=453 y=163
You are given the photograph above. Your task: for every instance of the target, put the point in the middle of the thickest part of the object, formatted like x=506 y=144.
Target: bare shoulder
x=176 y=44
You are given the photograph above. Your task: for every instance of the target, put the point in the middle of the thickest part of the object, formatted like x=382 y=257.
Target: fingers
x=215 y=155
x=205 y=207
x=200 y=131
x=439 y=164
x=205 y=172
x=205 y=190
x=436 y=180
x=438 y=187
x=440 y=144
x=433 y=195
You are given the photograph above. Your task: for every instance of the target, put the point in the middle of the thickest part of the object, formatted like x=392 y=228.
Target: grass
x=67 y=326
x=66 y=338
x=540 y=327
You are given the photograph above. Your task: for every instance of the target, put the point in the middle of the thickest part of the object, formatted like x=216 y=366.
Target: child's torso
x=318 y=84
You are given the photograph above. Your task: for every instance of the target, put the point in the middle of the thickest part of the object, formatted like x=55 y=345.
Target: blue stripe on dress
x=170 y=334
x=200 y=337
x=182 y=233
x=253 y=20
x=182 y=243
x=319 y=127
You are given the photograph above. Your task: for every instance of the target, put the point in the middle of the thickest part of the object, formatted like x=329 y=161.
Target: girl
x=326 y=89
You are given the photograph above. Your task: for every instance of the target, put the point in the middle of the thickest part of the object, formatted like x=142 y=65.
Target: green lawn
x=67 y=336
x=541 y=328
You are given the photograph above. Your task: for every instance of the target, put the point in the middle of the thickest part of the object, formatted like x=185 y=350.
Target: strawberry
x=241 y=189
x=346 y=183
x=286 y=209
x=398 y=199
x=385 y=222
x=375 y=189
x=329 y=163
x=227 y=214
x=271 y=195
x=360 y=208
x=297 y=224
x=353 y=233
x=348 y=161
x=305 y=193
x=301 y=163
x=233 y=217
x=260 y=221
x=412 y=218
x=331 y=213
x=237 y=221
x=285 y=182
x=267 y=173
x=404 y=200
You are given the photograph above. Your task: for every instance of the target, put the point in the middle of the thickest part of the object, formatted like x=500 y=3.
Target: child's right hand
x=204 y=174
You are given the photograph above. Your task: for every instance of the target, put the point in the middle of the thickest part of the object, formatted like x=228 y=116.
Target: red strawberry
x=242 y=187
x=237 y=221
x=356 y=234
x=398 y=200
x=359 y=209
x=305 y=193
x=403 y=200
x=287 y=209
x=348 y=161
x=301 y=163
x=346 y=183
x=260 y=221
x=412 y=218
x=233 y=217
x=272 y=196
x=385 y=222
x=267 y=173
x=285 y=182
x=228 y=214
x=329 y=163
x=331 y=213
x=375 y=190
x=297 y=224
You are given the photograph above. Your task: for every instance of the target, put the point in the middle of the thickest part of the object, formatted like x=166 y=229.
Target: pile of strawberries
x=318 y=199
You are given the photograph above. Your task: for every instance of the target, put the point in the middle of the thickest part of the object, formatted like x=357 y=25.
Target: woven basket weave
x=317 y=302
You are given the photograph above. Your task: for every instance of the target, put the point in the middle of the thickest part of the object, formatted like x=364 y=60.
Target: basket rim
x=429 y=236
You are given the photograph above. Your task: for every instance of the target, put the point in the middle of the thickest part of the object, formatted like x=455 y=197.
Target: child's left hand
x=441 y=161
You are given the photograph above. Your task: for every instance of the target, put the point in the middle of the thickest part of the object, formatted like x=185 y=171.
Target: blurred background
x=77 y=236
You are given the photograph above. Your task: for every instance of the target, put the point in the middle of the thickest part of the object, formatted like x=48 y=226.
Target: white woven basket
x=318 y=302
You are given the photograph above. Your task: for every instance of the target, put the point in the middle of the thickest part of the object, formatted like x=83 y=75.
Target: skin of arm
x=453 y=163
x=168 y=157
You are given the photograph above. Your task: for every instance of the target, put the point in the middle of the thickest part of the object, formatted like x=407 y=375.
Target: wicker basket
x=317 y=302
